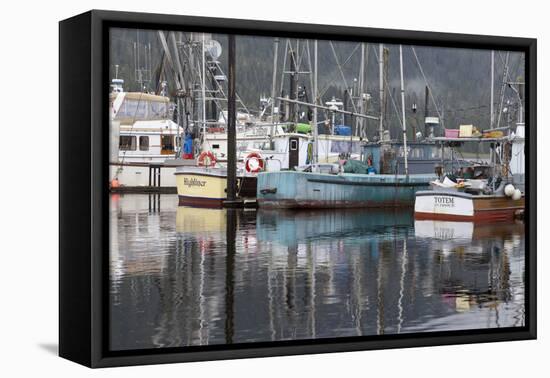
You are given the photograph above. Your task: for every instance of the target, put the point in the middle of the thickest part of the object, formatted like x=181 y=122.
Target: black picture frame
x=83 y=194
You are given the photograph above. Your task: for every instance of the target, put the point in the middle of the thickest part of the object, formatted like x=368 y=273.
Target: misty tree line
x=460 y=79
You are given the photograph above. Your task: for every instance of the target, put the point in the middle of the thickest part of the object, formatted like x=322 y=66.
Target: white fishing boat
x=477 y=193
x=142 y=135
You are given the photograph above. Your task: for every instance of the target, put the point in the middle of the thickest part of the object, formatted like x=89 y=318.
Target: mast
x=315 y=137
x=428 y=130
x=203 y=84
x=503 y=87
x=359 y=125
x=492 y=88
x=381 y=83
x=274 y=83
x=293 y=85
x=231 y=121
x=403 y=110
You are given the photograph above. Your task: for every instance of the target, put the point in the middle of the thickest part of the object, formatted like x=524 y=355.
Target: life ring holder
x=206 y=159
x=254 y=162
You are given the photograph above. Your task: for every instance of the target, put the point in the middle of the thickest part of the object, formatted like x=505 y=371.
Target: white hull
x=136 y=176
x=459 y=206
x=440 y=203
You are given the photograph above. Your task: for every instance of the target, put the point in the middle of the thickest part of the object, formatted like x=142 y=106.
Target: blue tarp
x=342 y=130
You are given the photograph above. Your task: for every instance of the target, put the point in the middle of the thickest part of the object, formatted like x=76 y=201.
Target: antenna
x=142 y=73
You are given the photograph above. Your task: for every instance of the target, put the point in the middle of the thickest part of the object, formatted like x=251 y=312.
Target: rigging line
x=299 y=54
x=503 y=63
x=326 y=87
x=503 y=87
x=389 y=93
x=219 y=87
x=518 y=65
x=428 y=85
x=284 y=68
x=195 y=71
x=236 y=94
x=342 y=72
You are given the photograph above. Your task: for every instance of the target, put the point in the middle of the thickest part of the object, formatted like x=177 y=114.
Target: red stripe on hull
x=313 y=204
x=484 y=215
x=213 y=203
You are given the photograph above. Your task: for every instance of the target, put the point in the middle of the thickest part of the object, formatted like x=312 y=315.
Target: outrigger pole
x=327 y=108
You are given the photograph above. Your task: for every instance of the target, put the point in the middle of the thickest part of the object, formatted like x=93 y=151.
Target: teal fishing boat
x=377 y=180
x=293 y=190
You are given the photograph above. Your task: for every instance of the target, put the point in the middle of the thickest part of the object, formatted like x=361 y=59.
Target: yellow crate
x=466 y=131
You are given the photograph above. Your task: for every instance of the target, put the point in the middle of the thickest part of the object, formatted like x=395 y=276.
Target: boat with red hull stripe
x=461 y=206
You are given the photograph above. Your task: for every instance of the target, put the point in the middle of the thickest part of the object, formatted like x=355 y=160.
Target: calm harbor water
x=183 y=276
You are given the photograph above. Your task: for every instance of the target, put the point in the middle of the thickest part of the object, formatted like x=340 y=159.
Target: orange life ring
x=207 y=159
x=254 y=162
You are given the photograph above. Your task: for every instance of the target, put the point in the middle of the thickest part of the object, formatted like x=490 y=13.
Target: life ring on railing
x=254 y=162
x=206 y=159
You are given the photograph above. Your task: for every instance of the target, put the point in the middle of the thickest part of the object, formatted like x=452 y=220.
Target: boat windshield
x=423 y=152
x=142 y=108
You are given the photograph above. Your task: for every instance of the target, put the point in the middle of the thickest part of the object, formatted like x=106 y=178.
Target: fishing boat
x=142 y=135
x=372 y=181
x=200 y=186
x=456 y=205
x=377 y=180
x=477 y=193
x=291 y=189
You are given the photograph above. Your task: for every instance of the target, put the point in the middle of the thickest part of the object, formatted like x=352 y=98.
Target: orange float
x=207 y=159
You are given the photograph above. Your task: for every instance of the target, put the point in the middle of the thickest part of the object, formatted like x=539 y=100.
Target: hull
x=137 y=175
x=458 y=206
x=204 y=187
x=291 y=189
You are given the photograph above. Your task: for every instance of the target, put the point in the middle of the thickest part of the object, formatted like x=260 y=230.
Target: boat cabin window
x=142 y=109
x=157 y=110
x=133 y=109
x=127 y=143
x=216 y=146
x=421 y=152
x=293 y=145
x=345 y=146
x=261 y=145
x=144 y=143
x=167 y=144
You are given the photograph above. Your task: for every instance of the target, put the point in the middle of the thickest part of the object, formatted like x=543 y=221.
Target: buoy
x=509 y=190
x=254 y=162
x=115 y=183
x=517 y=195
x=207 y=159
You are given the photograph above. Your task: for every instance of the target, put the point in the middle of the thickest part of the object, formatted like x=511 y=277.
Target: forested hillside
x=460 y=79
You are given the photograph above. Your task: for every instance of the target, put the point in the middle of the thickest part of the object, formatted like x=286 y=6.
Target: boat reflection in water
x=185 y=276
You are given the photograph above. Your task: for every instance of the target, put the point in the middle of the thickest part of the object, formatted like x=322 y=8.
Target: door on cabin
x=293 y=152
